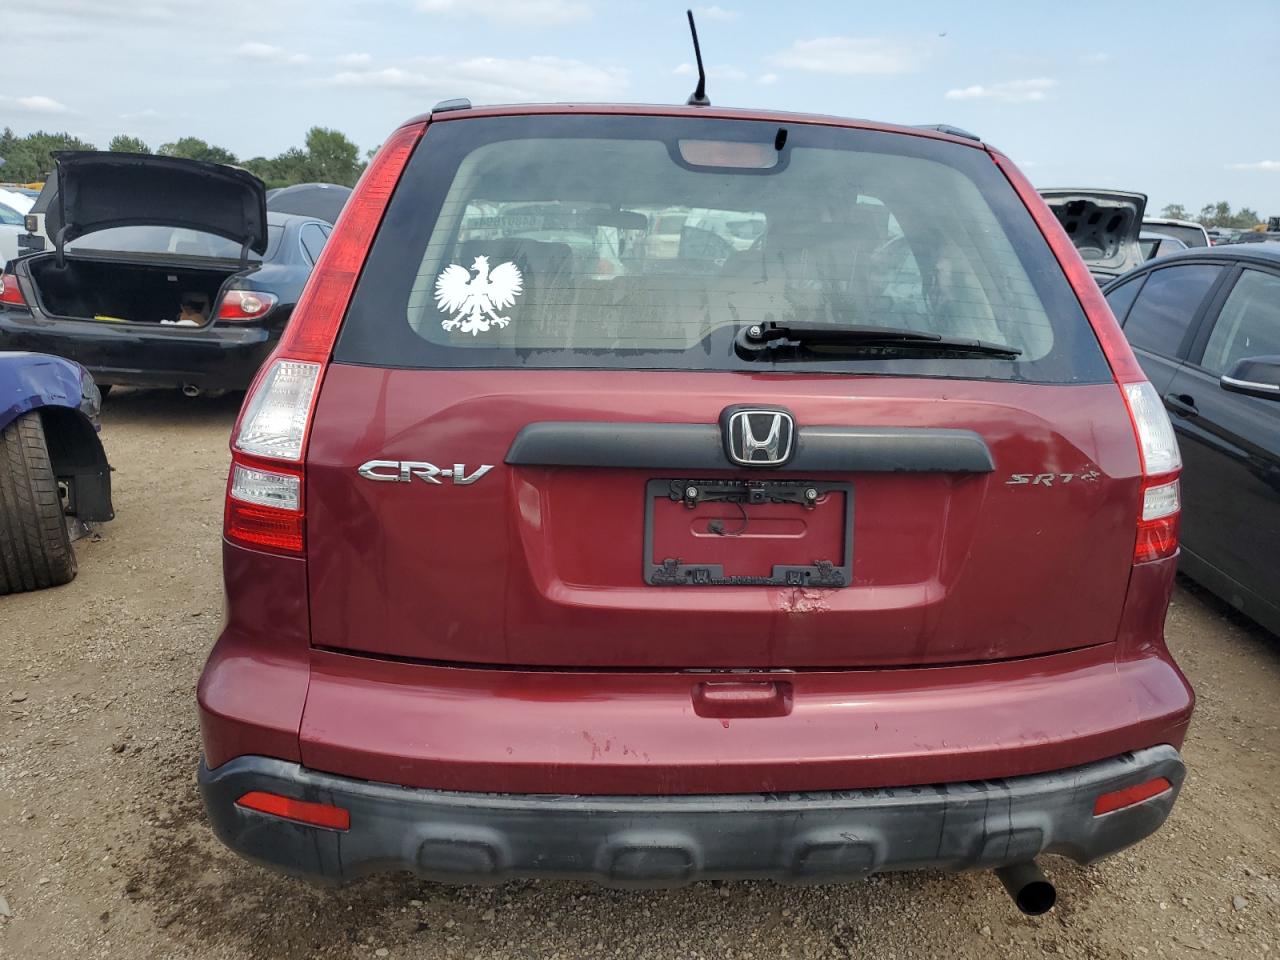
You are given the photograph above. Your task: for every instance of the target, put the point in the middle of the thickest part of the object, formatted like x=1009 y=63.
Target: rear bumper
x=212 y=358
x=673 y=840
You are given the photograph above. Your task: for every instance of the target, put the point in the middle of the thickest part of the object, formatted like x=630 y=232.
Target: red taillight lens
x=301 y=811
x=1119 y=799
x=9 y=292
x=240 y=305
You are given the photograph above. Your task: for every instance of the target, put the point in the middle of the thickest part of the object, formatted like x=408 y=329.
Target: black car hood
x=1103 y=224
x=98 y=190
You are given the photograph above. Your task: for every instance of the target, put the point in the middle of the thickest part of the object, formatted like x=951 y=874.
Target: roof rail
x=447 y=106
x=950 y=130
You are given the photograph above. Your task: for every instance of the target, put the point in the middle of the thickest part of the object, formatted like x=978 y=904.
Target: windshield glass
x=596 y=242
x=176 y=241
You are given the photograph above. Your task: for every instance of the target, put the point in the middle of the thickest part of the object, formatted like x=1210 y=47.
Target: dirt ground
x=104 y=851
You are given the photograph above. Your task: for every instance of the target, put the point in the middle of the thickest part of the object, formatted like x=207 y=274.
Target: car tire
x=35 y=549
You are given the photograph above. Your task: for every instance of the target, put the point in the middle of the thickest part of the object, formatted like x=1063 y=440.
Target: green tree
x=1220 y=214
x=30 y=158
x=123 y=143
x=193 y=148
x=1175 y=211
x=331 y=157
x=1246 y=219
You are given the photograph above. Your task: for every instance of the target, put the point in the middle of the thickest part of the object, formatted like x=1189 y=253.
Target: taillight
x=240 y=305
x=9 y=292
x=267 y=486
x=1156 y=440
x=1158 y=523
x=1157 y=534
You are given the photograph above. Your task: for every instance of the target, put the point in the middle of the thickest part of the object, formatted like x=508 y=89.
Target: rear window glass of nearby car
x=1159 y=318
x=1249 y=324
x=1121 y=298
x=313 y=240
x=1191 y=236
x=174 y=241
x=651 y=243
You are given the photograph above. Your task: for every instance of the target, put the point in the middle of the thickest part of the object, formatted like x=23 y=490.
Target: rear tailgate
x=520 y=458
x=545 y=565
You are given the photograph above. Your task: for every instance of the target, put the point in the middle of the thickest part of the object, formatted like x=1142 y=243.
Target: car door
x=1231 y=446
x=1162 y=307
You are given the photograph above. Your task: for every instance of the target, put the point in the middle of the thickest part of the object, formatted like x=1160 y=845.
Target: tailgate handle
x=726 y=699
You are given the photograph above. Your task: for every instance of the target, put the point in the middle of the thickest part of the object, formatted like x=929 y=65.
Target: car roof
x=680 y=110
x=1266 y=253
x=1169 y=222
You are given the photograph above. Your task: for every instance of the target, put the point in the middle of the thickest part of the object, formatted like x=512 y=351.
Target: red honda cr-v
x=835 y=538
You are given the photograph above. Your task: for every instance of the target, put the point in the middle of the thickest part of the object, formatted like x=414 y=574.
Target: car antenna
x=699 y=96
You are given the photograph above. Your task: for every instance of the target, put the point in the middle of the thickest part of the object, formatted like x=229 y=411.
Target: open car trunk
x=1104 y=225
x=114 y=292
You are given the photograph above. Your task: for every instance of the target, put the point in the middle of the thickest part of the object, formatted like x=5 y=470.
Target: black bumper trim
x=672 y=840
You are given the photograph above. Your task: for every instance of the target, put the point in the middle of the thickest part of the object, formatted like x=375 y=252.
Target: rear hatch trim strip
x=663 y=446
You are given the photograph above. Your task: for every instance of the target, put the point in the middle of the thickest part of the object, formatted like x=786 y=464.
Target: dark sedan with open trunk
x=163 y=272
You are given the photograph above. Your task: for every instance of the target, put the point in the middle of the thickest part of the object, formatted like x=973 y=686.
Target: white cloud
x=1270 y=165
x=716 y=13
x=513 y=11
x=266 y=53
x=495 y=80
x=36 y=104
x=767 y=79
x=1098 y=57
x=146 y=113
x=1012 y=91
x=850 y=55
x=354 y=59
x=725 y=72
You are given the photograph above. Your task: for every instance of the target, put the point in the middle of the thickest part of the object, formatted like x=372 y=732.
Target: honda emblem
x=758 y=437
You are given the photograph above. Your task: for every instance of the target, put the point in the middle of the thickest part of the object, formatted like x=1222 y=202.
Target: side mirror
x=1255 y=377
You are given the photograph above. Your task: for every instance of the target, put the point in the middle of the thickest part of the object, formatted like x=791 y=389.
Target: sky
x=1174 y=99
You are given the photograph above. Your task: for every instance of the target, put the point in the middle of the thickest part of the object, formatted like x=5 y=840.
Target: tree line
x=1217 y=214
x=327 y=156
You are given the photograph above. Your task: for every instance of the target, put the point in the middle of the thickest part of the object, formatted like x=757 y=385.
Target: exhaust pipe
x=1029 y=887
x=191 y=390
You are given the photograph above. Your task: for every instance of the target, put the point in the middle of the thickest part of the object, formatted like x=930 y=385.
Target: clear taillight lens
x=1161 y=501
x=275 y=422
x=266 y=488
x=1156 y=438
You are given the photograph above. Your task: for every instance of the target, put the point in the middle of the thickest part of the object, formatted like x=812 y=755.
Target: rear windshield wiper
x=756 y=339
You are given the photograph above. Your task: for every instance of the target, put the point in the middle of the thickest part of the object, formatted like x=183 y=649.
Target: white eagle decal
x=473 y=302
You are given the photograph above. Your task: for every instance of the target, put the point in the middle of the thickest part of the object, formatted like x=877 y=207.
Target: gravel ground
x=104 y=851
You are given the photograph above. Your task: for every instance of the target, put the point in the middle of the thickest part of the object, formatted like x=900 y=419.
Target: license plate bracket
x=728 y=532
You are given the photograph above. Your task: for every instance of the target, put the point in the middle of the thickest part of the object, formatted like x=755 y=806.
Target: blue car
x=53 y=469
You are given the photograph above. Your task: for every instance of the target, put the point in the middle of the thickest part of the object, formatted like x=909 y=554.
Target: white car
x=13 y=207
x=1189 y=232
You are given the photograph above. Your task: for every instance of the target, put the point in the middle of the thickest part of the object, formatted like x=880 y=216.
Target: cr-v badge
x=403 y=471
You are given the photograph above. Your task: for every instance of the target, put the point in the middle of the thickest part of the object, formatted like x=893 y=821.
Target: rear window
x=1191 y=236
x=652 y=243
